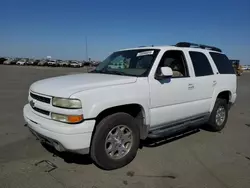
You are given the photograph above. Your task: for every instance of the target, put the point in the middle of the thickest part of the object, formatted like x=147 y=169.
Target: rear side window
x=222 y=63
x=201 y=64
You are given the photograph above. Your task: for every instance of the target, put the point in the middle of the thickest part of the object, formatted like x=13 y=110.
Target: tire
x=98 y=146
x=214 y=125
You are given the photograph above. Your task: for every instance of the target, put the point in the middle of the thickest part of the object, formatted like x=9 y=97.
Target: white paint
x=64 y=86
x=21 y=62
x=166 y=71
x=161 y=101
x=72 y=137
x=151 y=52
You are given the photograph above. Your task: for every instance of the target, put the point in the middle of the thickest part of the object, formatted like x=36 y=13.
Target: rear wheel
x=219 y=115
x=115 y=142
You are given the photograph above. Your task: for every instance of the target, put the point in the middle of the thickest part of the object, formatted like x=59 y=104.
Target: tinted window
x=222 y=63
x=201 y=64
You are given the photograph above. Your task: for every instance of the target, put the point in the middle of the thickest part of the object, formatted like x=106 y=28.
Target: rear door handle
x=214 y=83
x=190 y=86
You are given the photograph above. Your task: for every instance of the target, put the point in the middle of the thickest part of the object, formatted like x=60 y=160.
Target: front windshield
x=128 y=62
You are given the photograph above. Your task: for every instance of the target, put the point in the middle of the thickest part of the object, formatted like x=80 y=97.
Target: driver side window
x=176 y=61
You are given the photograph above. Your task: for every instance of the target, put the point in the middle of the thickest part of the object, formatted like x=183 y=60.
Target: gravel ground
x=200 y=159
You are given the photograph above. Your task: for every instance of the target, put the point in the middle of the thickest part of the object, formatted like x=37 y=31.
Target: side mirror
x=166 y=72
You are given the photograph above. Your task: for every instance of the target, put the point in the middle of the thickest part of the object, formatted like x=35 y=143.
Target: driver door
x=173 y=98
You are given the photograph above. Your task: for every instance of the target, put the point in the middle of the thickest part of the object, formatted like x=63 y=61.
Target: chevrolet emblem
x=32 y=104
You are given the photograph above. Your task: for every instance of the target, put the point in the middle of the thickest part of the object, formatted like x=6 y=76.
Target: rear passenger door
x=204 y=82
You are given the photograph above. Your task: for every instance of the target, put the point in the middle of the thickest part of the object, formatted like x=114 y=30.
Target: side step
x=175 y=128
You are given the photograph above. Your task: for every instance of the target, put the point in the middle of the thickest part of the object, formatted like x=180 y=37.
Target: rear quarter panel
x=225 y=82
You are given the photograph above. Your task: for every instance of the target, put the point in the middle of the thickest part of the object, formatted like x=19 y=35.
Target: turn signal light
x=75 y=119
x=67 y=118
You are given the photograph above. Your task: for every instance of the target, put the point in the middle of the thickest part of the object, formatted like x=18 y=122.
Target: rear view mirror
x=166 y=72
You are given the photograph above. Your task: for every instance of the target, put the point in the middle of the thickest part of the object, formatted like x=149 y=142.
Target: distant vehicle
x=245 y=67
x=14 y=61
x=21 y=62
x=2 y=59
x=10 y=61
x=30 y=62
x=64 y=63
x=76 y=64
x=42 y=63
x=52 y=63
x=87 y=63
x=95 y=63
x=7 y=62
x=81 y=64
x=36 y=62
x=237 y=67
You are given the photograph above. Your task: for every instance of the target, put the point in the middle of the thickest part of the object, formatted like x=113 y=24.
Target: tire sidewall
x=212 y=122
x=98 y=152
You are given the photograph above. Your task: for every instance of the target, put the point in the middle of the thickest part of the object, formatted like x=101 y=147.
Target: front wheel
x=219 y=115
x=115 y=141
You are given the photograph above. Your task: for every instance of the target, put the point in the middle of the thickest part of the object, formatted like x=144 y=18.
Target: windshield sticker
x=151 y=52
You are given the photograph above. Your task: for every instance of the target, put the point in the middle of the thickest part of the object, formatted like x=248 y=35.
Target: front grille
x=45 y=112
x=40 y=98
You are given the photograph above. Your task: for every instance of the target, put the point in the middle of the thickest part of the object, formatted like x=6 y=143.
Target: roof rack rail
x=146 y=46
x=202 y=46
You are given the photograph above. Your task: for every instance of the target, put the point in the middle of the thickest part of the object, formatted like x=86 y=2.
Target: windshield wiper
x=103 y=71
x=119 y=73
x=97 y=71
x=115 y=72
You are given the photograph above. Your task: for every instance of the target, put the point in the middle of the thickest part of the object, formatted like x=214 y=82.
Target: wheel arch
x=135 y=110
x=224 y=94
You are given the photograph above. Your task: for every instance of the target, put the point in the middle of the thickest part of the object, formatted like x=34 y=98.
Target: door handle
x=214 y=83
x=190 y=86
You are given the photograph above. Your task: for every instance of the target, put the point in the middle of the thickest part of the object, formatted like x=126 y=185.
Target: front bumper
x=64 y=137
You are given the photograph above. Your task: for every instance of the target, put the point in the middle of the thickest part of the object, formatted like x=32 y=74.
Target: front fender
x=97 y=100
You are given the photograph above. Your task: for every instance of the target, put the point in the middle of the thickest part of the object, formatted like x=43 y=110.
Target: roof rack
x=202 y=46
x=146 y=46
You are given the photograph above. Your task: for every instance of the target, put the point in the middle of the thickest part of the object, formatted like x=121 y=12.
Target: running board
x=177 y=127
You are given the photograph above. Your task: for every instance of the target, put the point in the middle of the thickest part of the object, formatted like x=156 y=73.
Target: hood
x=65 y=86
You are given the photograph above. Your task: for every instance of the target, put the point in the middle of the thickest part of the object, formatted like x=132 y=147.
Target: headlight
x=66 y=103
x=67 y=118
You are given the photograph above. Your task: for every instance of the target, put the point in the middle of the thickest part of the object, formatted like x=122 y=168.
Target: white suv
x=154 y=92
x=21 y=62
x=53 y=63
